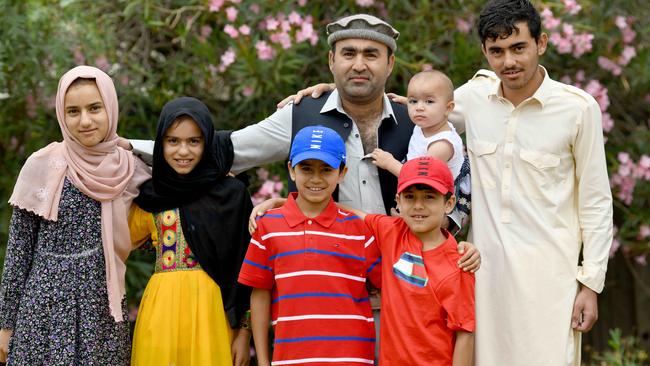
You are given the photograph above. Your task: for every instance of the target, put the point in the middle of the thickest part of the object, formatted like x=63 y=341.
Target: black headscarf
x=214 y=207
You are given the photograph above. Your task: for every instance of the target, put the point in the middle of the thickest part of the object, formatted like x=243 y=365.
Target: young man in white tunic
x=540 y=196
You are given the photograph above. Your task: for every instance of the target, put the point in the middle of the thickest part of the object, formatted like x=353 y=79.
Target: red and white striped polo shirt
x=316 y=269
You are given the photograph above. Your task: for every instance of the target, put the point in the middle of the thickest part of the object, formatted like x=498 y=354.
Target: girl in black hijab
x=192 y=309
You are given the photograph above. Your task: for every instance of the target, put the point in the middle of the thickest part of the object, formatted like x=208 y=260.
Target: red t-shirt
x=425 y=297
x=316 y=269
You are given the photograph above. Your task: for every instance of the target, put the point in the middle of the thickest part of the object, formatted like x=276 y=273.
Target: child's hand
x=241 y=348
x=471 y=258
x=397 y=98
x=260 y=209
x=5 y=336
x=385 y=160
x=313 y=91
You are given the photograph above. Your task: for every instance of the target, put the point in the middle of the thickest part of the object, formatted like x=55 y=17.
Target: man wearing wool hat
x=361 y=59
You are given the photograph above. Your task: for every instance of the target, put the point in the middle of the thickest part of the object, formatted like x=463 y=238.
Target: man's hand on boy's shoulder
x=470 y=260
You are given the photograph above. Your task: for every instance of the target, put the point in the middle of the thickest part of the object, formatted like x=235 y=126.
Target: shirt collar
x=294 y=216
x=541 y=94
x=333 y=102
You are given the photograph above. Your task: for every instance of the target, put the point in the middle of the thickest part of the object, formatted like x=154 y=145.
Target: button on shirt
x=269 y=141
x=540 y=194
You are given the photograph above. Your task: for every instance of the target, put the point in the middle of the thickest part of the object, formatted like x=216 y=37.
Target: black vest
x=393 y=137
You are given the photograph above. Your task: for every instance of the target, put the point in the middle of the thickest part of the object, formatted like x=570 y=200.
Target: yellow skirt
x=181 y=322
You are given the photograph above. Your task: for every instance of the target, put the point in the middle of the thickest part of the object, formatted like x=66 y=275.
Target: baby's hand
x=382 y=158
x=385 y=160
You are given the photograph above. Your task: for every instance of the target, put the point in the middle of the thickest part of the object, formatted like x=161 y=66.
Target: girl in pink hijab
x=62 y=296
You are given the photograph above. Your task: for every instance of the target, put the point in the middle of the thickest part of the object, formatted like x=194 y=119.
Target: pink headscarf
x=105 y=172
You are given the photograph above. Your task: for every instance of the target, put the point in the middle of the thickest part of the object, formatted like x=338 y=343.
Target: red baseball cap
x=428 y=171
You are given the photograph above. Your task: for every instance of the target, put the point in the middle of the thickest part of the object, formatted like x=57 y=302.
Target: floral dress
x=53 y=293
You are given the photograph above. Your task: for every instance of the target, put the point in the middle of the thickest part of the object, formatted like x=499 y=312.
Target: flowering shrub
x=242 y=56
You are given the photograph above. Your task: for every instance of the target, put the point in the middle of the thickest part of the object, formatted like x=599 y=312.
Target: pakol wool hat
x=362 y=26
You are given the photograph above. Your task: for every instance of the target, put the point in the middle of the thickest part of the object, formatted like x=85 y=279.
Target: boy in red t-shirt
x=308 y=262
x=427 y=301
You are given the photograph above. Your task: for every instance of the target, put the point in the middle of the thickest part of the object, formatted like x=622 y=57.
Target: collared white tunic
x=540 y=194
x=270 y=140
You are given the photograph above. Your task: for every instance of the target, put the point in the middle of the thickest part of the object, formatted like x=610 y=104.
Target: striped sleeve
x=257 y=271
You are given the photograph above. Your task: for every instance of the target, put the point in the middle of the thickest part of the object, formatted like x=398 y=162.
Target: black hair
x=498 y=19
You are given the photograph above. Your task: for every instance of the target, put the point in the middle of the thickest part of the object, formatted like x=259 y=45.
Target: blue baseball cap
x=320 y=143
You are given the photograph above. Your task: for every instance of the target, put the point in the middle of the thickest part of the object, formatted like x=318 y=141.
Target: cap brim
x=422 y=180
x=323 y=156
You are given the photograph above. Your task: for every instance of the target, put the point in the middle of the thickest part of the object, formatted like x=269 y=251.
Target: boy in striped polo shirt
x=308 y=262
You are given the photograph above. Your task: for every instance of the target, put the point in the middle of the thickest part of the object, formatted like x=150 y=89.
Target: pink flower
x=567 y=29
x=231 y=13
x=255 y=8
x=245 y=30
x=644 y=231
x=235 y=1
x=614 y=248
x=271 y=24
x=627 y=55
x=247 y=91
x=305 y=33
x=608 y=122
x=580 y=75
x=621 y=22
x=102 y=63
x=124 y=80
x=215 y=5
x=623 y=157
x=427 y=67
x=641 y=259
x=550 y=22
x=563 y=45
x=628 y=35
x=572 y=7
x=285 y=25
x=295 y=18
x=302 y=3
x=278 y=186
x=206 y=30
x=463 y=26
x=282 y=38
x=365 y=3
x=644 y=162
x=582 y=44
x=599 y=92
x=609 y=65
x=264 y=51
x=227 y=59
x=231 y=31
